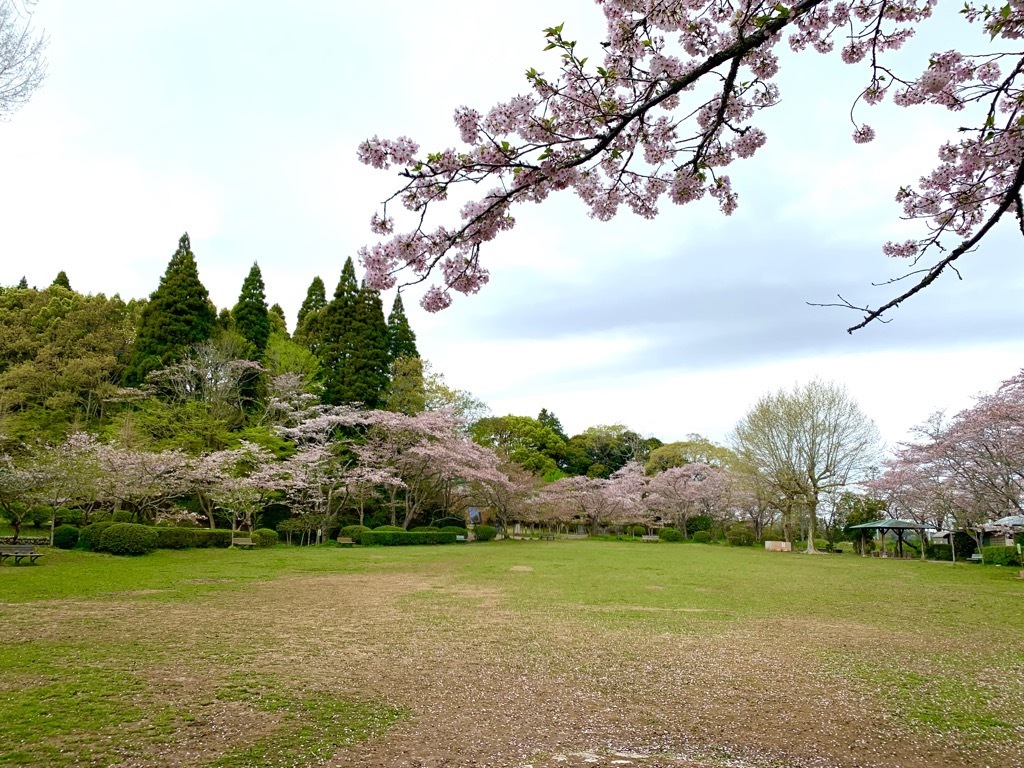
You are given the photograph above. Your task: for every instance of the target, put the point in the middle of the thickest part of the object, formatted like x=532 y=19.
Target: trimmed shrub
x=456 y=529
x=65 y=536
x=123 y=516
x=67 y=516
x=699 y=523
x=1000 y=556
x=485 y=532
x=264 y=537
x=938 y=552
x=393 y=528
x=127 y=539
x=207 y=538
x=702 y=537
x=379 y=538
x=740 y=535
x=424 y=529
x=354 y=532
x=670 y=534
x=176 y=538
x=89 y=537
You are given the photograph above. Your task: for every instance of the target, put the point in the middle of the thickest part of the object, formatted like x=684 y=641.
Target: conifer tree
x=178 y=314
x=401 y=339
x=334 y=347
x=251 y=315
x=23 y=283
x=278 y=322
x=309 y=324
x=355 y=344
x=369 y=340
x=62 y=280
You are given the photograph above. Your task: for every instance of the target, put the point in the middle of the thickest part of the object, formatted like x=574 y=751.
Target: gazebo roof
x=892 y=525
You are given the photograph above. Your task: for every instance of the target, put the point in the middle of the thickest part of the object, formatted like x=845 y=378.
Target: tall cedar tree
x=309 y=324
x=62 y=280
x=278 y=322
x=178 y=315
x=353 y=349
x=251 y=315
x=401 y=339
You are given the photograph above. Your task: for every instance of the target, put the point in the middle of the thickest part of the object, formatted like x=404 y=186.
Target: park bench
x=243 y=543
x=19 y=552
x=459 y=538
x=649 y=537
x=548 y=536
x=575 y=535
x=976 y=557
x=345 y=541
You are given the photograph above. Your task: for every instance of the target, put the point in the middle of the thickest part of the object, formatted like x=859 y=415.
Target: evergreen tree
x=62 y=280
x=23 y=283
x=278 y=323
x=179 y=314
x=401 y=339
x=309 y=324
x=551 y=421
x=251 y=315
x=354 y=344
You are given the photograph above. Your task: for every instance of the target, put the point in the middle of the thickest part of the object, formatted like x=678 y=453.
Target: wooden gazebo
x=899 y=527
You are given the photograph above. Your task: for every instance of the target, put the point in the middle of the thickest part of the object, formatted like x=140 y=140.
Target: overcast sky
x=238 y=122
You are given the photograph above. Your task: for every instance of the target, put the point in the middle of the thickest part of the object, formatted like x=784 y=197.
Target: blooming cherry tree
x=673 y=102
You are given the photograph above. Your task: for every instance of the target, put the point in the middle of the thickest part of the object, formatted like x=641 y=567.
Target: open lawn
x=509 y=654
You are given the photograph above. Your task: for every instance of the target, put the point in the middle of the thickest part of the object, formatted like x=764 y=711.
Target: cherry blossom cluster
x=669 y=106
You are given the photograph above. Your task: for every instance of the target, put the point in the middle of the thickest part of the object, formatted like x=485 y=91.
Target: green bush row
x=483 y=532
x=670 y=534
x=1000 y=556
x=379 y=538
x=938 y=552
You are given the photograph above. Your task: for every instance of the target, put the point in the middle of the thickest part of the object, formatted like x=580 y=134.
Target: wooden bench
x=19 y=552
x=345 y=541
x=649 y=537
x=547 y=536
x=243 y=543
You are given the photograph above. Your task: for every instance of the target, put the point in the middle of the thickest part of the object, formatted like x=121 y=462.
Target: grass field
x=509 y=654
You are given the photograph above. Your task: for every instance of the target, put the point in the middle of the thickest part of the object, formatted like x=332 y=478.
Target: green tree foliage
x=61 y=280
x=278 y=322
x=401 y=339
x=602 y=450
x=524 y=441
x=284 y=355
x=61 y=356
x=178 y=315
x=439 y=396
x=250 y=314
x=309 y=324
x=354 y=344
x=694 y=450
x=406 y=390
x=23 y=283
x=552 y=422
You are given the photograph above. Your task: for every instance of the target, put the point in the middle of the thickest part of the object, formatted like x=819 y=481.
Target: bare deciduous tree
x=812 y=440
x=22 y=66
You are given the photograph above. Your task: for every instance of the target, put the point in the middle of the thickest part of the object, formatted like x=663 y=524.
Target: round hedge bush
x=127 y=539
x=740 y=535
x=176 y=537
x=264 y=537
x=458 y=530
x=670 y=534
x=123 y=516
x=89 y=537
x=354 y=532
x=702 y=537
x=485 y=532
x=392 y=528
x=65 y=536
